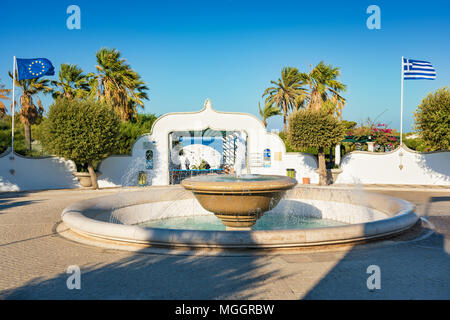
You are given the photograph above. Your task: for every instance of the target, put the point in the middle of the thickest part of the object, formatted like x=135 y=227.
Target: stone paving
x=34 y=260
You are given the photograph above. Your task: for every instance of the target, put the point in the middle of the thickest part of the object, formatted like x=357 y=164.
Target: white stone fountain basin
x=114 y=218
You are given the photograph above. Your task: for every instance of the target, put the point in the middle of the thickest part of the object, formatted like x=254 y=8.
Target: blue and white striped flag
x=418 y=69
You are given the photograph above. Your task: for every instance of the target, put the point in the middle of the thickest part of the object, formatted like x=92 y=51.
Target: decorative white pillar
x=337 y=154
x=370 y=146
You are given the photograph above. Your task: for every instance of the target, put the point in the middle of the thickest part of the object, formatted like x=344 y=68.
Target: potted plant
x=335 y=171
x=83 y=131
x=83 y=175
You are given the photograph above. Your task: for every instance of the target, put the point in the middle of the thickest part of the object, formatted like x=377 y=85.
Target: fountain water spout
x=240 y=154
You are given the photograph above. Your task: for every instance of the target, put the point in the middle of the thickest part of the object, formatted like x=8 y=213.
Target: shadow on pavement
x=154 y=276
x=409 y=269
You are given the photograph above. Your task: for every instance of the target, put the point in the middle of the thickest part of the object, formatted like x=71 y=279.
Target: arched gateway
x=183 y=144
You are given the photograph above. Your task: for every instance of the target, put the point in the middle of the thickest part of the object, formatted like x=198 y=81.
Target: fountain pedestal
x=239 y=201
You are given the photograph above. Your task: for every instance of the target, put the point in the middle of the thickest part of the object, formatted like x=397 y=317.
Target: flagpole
x=12 y=108
x=401 y=111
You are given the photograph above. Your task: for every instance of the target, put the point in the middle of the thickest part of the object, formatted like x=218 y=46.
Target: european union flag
x=34 y=68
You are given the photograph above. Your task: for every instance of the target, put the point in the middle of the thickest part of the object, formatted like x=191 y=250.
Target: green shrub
x=84 y=131
x=129 y=131
x=432 y=119
x=315 y=129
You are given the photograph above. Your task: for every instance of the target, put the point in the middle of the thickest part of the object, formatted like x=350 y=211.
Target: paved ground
x=34 y=260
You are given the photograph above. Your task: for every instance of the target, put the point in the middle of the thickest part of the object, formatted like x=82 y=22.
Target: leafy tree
x=432 y=119
x=80 y=130
x=315 y=129
x=325 y=89
x=118 y=84
x=29 y=112
x=3 y=96
x=288 y=93
x=71 y=83
x=268 y=111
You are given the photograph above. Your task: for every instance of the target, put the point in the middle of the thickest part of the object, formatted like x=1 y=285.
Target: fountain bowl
x=239 y=201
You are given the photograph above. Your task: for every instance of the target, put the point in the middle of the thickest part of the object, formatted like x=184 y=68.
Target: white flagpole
x=401 y=111
x=12 y=108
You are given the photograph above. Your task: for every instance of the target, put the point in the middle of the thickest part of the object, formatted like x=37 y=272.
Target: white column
x=401 y=109
x=337 y=154
x=370 y=146
x=13 y=108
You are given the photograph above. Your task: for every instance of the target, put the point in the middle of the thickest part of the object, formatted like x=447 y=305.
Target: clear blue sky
x=229 y=50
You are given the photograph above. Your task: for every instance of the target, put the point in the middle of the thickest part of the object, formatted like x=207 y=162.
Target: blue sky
x=229 y=50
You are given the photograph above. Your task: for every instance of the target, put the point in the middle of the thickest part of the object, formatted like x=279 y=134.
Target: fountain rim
x=280 y=183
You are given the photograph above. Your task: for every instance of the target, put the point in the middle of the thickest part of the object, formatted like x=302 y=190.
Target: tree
x=72 y=82
x=3 y=96
x=118 y=84
x=287 y=93
x=325 y=89
x=268 y=111
x=315 y=129
x=432 y=119
x=29 y=112
x=80 y=130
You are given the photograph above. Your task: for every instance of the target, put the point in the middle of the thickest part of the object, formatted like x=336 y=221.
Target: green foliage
x=314 y=129
x=129 y=131
x=290 y=148
x=5 y=133
x=201 y=166
x=268 y=111
x=416 y=144
x=325 y=89
x=82 y=131
x=72 y=82
x=287 y=93
x=118 y=84
x=349 y=125
x=19 y=137
x=432 y=119
x=4 y=95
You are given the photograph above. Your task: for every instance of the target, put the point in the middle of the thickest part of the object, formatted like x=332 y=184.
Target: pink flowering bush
x=384 y=137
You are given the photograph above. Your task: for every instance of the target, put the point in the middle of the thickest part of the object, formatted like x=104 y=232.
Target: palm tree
x=29 y=112
x=118 y=84
x=72 y=82
x=324 y=93
x=3 y=96
x=268 y=111
x=325 y=89
x=287 y=92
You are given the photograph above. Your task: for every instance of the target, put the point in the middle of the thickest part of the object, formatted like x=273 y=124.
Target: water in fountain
x=239 y=163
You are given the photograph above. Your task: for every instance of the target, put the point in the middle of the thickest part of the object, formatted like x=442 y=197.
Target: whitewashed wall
x=431 y=168
x=358 y=167
x=304 y=164
x=35 y=173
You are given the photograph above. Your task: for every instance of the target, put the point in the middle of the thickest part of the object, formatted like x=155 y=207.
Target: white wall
x=358 y=167
x=432 y=168
x=35 y=173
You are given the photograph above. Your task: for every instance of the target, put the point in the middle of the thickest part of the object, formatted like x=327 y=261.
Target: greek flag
x=418 y=69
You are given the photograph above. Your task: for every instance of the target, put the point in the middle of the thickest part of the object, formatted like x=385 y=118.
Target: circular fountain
x=239 y=201
x=172 y=217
